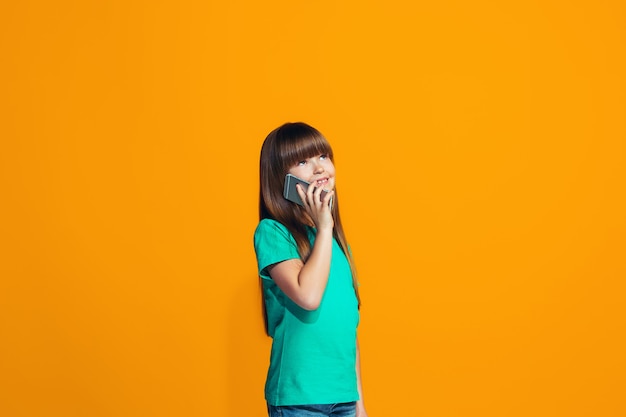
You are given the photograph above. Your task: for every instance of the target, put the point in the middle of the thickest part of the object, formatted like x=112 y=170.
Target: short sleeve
x=273 y=243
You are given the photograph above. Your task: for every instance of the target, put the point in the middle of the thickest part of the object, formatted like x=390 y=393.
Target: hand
x=316 y=207
x=360 y=409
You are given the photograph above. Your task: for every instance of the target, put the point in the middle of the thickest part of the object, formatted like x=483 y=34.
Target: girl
x=310 y=295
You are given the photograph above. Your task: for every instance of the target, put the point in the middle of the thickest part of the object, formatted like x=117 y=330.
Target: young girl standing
x=310 y=294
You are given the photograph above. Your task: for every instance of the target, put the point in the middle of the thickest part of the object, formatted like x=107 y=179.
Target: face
x=318 y=170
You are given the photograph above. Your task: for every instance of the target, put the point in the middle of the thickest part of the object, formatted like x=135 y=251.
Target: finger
x=302 y=194
x=328 y=197
x=318 y=195
x=310 y=192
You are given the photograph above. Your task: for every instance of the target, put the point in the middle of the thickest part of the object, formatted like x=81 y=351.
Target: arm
x=305 y=283
x=360 y=407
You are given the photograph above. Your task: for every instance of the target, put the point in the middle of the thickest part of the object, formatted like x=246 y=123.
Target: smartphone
x=291 y=193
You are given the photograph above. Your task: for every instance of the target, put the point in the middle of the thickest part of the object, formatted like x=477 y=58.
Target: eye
x=301 y=163
x=323 y=156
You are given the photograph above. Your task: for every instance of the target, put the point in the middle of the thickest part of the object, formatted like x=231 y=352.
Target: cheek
x=331 y=169
x=298 y=172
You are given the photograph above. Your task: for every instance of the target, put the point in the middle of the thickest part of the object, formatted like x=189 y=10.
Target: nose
x=318 y=168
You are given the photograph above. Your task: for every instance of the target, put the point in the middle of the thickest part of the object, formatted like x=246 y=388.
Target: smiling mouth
x=321 y=182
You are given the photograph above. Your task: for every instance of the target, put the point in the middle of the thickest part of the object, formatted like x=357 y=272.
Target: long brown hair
x=282 y=149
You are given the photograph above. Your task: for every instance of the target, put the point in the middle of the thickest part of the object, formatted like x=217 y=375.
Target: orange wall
x=481 y=154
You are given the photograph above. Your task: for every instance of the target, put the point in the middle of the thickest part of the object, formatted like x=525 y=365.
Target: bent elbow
x=311 y=303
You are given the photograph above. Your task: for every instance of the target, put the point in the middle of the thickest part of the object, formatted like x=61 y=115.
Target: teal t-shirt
x=313 y=353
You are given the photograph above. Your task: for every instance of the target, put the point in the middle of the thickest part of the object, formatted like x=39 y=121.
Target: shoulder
x=273 y=243
x=272 y=229
x=270 y=225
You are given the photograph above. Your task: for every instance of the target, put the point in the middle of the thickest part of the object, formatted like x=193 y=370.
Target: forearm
x=360 y=406
x=313 y=276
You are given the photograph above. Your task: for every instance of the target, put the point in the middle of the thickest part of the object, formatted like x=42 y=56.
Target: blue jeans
x=313 y=410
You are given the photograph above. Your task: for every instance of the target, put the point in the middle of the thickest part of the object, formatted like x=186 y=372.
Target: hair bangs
x=301 y=142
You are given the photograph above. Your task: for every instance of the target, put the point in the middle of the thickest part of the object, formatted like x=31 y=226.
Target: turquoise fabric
x=313 y=353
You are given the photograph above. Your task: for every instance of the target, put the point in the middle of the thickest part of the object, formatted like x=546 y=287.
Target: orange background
x=481 y=156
